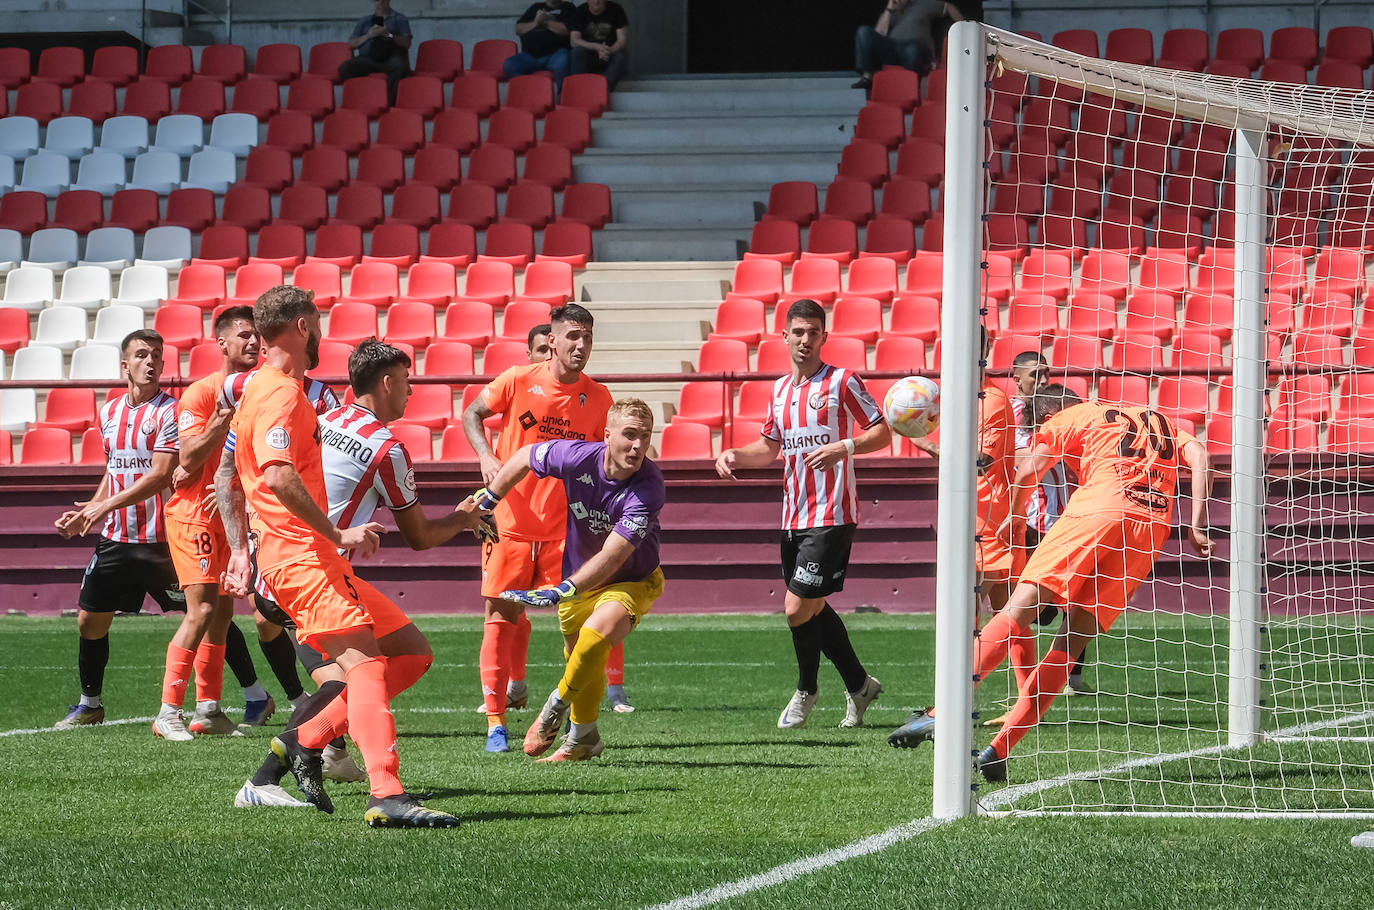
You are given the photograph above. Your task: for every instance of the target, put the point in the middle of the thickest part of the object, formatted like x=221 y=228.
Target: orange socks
x=180 y=662
x=615 y=665
x=372 y=727
x=520 y=648
x=209 y=671
x=995 y=639
x=1045 y=683
x=494 y=660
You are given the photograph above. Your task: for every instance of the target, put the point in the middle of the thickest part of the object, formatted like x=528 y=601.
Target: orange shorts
x=992 y=557
x=1096 y=561
x=323 y=595
x=520 y=565
x=200 y=551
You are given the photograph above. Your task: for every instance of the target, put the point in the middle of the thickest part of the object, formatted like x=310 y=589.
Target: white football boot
x=797 y=711
x=856 y=703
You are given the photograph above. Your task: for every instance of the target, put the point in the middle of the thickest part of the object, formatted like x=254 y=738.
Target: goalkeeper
x=611 y=575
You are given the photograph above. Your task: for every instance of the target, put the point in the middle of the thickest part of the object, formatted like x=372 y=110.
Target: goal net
x=1196 y=244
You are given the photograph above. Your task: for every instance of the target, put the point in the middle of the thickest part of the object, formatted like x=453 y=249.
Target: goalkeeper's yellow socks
x=584 y=678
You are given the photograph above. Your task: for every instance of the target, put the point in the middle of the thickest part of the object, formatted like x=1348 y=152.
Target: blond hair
x=631 y=407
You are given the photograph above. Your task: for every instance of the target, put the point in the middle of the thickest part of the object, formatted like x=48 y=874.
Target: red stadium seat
x=1307 y=397
x=529 y=204
x=252 y=280
x=367 y=96
x=1080 y=41
x=882 y=123
x=866 y=161
x=476 y=92
x=792 y=200
x=896 y=86
x=258 y=96
x=46 y=446
x=430 y=406
x=567 y=242
x=736 y=317
x=16 y=66
x=455 y=244
x=339 y=243
x=491 y=281
x=1151 y=312
x=1074 y=352
x=899 y=353
x=223 y=245
x=510 y=243
x=1297 y=44
x=269 y=168
x=1351 y=437
x=684 y=441
x=1339 y=271
x=489 y=55
x=224 y=63
x=415 y=205
x=200 y=285
x=200 y=97
x=921 y=159
x=548 y=281
x=441 y=58
x=472 y=322
x=703 y=403
x=1283 y=71
x=857 y=317
x=374 y=283
x=1131 y=45
x=519 y=316
x=448 y=358
x=906 y=198
x=1339 y=74
x=1350 y=44
x=548 y=164
x=416 y=437
x=472 y=204
x=323 y=278
x=279 y=62
x=832 y=238
x=345 y=129
x=359 y=204
x=116 y=64
x=1092 y=315
x=1186 y=47
x=81 y=211
x=532 y=92
x=492 y=165
x=304 y=205
x=291 y=131
x=381 y=167
x=889 y=237
x=351 y=322
x=401 y=130
x=850 y=200
x=325 y=58
x=1197 y=349
x=587 y=203
x=169 y=63
x=928 y=122
x=814 y=279
x=192 y=208
x=1006 y=348
x=1317 y=349
x=410 y=323
x=1329 y=311
x=1033 y=315
x=774 y=356
x=915 y=316
x=148 y=98
x=585 y=92
x=779 y=240
x=40 y=100
x=248 y=207
x=1356 y=397
x=14 y=329
x=394 y=243
x=874 y=277
x=1047 y=273
x=436 y=166
x=723 y=355
x=569 y=127
x=454 y=446
x=324 y=167
x=420 y=93
x=757 y=279
x=1209 y=312
x=1241 y=45
x=1139 y=353
x=93 y=99
x=311 y=95
x=70 y=410
x=431 y=282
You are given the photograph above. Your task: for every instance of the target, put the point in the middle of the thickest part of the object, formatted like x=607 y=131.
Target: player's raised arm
x=1194 y=455
x=420 y=532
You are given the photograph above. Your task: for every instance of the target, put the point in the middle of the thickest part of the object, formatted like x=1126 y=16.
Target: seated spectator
x=600 y=34
x=380 y=44
x=902 y=36
x=543 y=33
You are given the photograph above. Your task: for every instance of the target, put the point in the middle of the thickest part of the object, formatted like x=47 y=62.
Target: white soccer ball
x=912 y=406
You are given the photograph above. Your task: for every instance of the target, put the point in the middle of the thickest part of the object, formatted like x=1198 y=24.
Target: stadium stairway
x=690 y=159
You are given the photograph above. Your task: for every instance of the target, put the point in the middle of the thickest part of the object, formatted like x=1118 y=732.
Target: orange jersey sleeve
x=276 y=424
x=996 y=446
x=194 y=410
x=538 y=408
x=1126 y=457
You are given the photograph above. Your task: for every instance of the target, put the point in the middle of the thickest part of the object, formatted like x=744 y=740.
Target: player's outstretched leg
x=918 y=728
x=544 y=730
x=861 y=690
x=583 y=683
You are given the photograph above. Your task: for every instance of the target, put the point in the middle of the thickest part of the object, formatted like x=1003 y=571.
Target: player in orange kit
x=279 y=463
x=552 y=399
x=1127 y=459
x=196 y=539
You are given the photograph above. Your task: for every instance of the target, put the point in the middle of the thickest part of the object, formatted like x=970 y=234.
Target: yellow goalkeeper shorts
x=637 y=597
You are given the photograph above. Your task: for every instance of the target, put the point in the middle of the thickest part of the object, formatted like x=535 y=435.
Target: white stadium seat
x=143 y=286
x=167 y=245
x=11 y=249
x=109 y=247
x=180 y=133
x=211 y=169
x=29 y=288
x=86 y=287
x=158 y=170
x=126 y=135
x=53 y=248
x=69 y=136
x=18 y=137
x=114 y=322
x=103 y=171
x=46 y=172
x=37 y=362
x=7 y=172
x=18 y=407
x=95 y=361
x=61 y=327
x=237 y=133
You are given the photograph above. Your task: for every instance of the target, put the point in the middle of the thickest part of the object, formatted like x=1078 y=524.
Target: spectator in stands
x=543 y=34
x=600 y=35
x=903 y=36
x=380 y=44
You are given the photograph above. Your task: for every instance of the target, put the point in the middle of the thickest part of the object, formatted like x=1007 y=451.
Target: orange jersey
x=997 y=465
x=1126 y=458
x=276 y=424
x=194 y=411
x=539 y=408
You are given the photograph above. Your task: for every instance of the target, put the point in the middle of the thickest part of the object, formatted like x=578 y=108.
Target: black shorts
x=311 y=659
x=120 y=575
x=815 y=560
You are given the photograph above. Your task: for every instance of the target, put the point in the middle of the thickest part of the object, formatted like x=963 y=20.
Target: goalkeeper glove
x=543 y=597
x=486 y=500
x=485 y=530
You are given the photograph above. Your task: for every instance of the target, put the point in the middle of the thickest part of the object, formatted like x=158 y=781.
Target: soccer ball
x=912 y=406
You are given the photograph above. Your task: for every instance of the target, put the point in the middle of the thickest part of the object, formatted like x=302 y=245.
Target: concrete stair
x=690 y=159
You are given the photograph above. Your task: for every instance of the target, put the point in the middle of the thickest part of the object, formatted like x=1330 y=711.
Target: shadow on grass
x=447 y=792
x=516 y=816
x=647 y=763
x=752 y=744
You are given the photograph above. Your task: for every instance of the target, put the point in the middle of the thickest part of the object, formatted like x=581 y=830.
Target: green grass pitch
x=697 y=788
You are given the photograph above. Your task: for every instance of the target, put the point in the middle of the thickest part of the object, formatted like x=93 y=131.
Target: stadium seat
x=325 y=57
x=46 y=445
x=548 y=281
x=1244 y=46
x=1151 y=312
x=1351 y=437
x=205 y=358
x=1307 y=397
x=96 y=361
x=1339 y=74
x=548 y=164
x=11 y=249
x=850 y=200
x=815 y=279
x=683 y=441
x=448 y=358
x=529 y=204
x=312 y=96
x=321 y=277
x=1138 y=353
x=157 y=170
x=899 y=353
x=281 y=63
x=325 y=167
x=777 y=240
x=832 y=238
x=492 y=165
x=1329 y=311
x=567 y=242
x=1356 y=400
x=472 y=204
x=1047 y=273
x=915 y=316
x=180 y=325
x=456 y=129
x=498 y=357
x=47 y=173
x=80 y=211
x=455 y=244
x=873 y=277
x=94 y=100
x=1131 y=45
x=350 y=322
x=304 y=205
x=881 y=123
x=381 y=167
x=235 y=133
x=490 y=281
x=18 y=137
x=857 y=317
x=1080 y=41
x=143 y=285
x=489 y=55
x=70 y=137
x=170 y=63
x=394 y=243
x=846 y=352
x=475 y=92
x=441 y=58
x=269 y=168
x=866 y=161
x=586 y=92
x=100 y=173
x=906 y=198
x=202 y=98
x=1033 y=315
x=114 y=323
x=1350 y=44
x=252 y=279
x=200 y=285
x=223 y=245
x=703 y=403
x=23 y=212
x=430 y=406
x=41 y=101
x=14 y=330
x=921 y=159
x=454 y=445
x=86 y=287
x=365 y=96
x=411 y=323
x=1295 y=44
x=52 y=248
x=114 y=64
x=569 y=128
x=359 y=204
x=741 y=319
x=181 y=134
x=1075 y=352
x=889 y=237
x=373 y=283
x=61 y=327
x=433 y=283
x=510 y=243
x=723 y=355
x=400 y=130
x=148 y=98
x=15 y=67
x=125 y=135
x=248 y=207
x=521 y=315
x=1185 y=48
x=421 y=93
x=792 y=200
x=586 y=203
x=532 y=92
x=346 y=130
x=71 y=410
x=472 y=322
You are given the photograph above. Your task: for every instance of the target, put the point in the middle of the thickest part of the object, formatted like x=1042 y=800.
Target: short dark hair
x=571 y=312
x=806 y=309
x=1028 y=358
x=148 y=335
x=1050 y=400
x=232 y=315
x=280 y=306
x=369 y=361
x=542 y=329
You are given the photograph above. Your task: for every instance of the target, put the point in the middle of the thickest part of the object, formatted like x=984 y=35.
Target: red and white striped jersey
x=130 y=435
x=830 y=406
x=320 y=395
x=1047 y=500
x=364 y=465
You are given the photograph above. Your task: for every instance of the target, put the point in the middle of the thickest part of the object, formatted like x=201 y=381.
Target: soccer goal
x=1196 y=243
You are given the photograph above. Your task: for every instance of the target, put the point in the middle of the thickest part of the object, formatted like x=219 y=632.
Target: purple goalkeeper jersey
x=599 y=506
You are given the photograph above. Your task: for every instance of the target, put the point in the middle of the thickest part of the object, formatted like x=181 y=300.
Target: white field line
x=994 y=802
x=109 y=723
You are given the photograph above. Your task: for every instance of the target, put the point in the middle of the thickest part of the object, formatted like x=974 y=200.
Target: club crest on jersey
x=582 y=400
x=818 y=401
x=185 y=420
x=148 y=427
x=409 y=481
x=204 y=565
x=278 y=438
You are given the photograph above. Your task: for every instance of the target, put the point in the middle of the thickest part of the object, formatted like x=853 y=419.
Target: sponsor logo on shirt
x=527 y=421
x=639 y=524
x=185 y=420
x=598 y=522
x=804 y=439
x=587 y=479
x=537 y=390
x=279 y=439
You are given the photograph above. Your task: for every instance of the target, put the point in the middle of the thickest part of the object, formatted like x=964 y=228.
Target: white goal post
x=1222 y=698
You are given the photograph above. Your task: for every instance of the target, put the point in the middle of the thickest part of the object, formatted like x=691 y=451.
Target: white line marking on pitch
x=904 y=832
x=109 y=723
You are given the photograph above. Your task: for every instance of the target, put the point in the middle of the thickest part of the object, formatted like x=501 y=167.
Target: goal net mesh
x=1109 y=224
